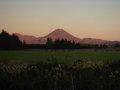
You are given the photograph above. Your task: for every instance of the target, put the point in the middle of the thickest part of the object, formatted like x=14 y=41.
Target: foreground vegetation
x=82 y=75
x=60 y=69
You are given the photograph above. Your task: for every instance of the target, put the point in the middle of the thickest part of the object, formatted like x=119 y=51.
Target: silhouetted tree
x=8 y=41
x=49 y=43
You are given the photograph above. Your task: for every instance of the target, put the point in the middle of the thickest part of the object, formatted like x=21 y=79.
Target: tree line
x=11 y=42
x=66 y=44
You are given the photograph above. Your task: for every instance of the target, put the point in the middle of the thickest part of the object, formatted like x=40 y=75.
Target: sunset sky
x=81 y=18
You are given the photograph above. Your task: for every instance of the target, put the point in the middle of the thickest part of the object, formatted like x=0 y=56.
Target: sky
x=81 y=18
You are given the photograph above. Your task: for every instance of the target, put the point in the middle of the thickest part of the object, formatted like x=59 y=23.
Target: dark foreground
x=82 y=75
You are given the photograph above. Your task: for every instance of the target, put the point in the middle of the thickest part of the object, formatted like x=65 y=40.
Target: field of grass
x=60 y=56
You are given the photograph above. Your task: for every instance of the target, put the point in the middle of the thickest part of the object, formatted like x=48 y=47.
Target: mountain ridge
x=61 y=34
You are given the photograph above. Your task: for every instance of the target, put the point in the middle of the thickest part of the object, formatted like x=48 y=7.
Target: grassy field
x=60 y=56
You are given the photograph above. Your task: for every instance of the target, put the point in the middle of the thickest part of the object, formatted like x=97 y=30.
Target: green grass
x=61 y=56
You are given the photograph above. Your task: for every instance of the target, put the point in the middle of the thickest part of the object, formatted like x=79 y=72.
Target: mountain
x=62 y=34
x=59 y=34
x=93 y=41
x=29 y=39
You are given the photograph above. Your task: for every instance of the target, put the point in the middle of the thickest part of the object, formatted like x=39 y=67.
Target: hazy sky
x=82 y=18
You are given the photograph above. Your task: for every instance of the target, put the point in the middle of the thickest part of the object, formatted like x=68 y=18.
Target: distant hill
x=29 y=39
x=62 y=34
x=93 y=41
x=59 y=34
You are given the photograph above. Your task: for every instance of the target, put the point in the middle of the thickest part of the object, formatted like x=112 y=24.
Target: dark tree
x=8 y=41
x=49 y=43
